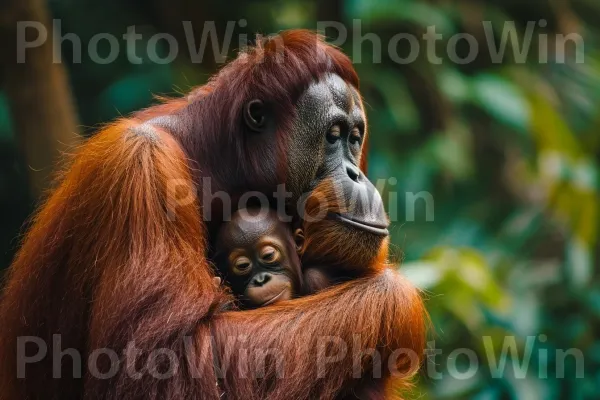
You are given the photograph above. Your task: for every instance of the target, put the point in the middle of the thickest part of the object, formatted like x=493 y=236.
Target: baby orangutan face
x=257 y=256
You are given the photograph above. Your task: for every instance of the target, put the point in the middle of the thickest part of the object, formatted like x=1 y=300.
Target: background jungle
x=510 y=153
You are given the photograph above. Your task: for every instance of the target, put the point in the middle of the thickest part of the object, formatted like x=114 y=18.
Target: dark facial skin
x=257 y=258
x=326 y=143
x=323 y=142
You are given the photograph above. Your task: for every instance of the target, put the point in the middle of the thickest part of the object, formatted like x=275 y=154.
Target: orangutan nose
x=261 y=279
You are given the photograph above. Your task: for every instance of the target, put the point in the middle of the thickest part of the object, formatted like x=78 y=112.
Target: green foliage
x=514 y=175
x=508 y=152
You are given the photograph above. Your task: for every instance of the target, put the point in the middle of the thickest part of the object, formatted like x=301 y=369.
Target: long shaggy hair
x=107 y=265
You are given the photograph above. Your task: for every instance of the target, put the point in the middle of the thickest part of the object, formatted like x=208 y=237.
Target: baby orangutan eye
x=242 y=266
x=270 y=254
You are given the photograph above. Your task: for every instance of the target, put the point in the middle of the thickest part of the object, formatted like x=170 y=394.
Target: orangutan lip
x=376 y=229
x=273 y=299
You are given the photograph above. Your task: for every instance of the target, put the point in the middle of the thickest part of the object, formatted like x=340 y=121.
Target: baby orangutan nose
x=261 y=279
x=267 y=289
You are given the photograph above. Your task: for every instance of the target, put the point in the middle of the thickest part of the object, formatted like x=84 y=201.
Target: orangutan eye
x=242 y=266
x=355 y=136
x=270 y=254
x=334 y=134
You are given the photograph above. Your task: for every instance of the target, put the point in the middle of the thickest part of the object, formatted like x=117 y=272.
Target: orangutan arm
x=315 y=343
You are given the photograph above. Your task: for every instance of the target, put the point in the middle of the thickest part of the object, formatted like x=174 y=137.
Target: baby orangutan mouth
x=268 y=289
x=285 y=294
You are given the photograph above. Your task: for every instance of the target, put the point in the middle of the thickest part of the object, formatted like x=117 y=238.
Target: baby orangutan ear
x=299 y=240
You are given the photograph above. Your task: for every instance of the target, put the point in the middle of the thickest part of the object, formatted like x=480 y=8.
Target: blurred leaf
x=586 y=215
x=519 y=227
x=454 y=85
x=449 y=387
x=134 y=92
x=419 y=13
x=6 y=131
x=579 y=262
x=488 y=393
x=525 y=318
x=424 y=275
x=453 y=152
x=593 y=301
x=550 y=129
x=585 y=175
x=531 y=388
x=502 y=100
x=462 y=277
x=292 y=14
x=392 y=87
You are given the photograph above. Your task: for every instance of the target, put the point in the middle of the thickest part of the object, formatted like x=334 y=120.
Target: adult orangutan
x=115 y=265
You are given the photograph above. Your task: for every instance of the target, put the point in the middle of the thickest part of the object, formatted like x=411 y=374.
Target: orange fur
x=106 y=265
x=343 y=248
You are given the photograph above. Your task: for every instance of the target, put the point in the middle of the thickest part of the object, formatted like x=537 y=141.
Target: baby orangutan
x=257 y=255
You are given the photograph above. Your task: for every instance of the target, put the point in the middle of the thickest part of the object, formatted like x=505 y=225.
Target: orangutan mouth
x=374 y=228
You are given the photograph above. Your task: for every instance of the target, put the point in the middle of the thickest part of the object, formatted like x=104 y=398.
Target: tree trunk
x=38 y=91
